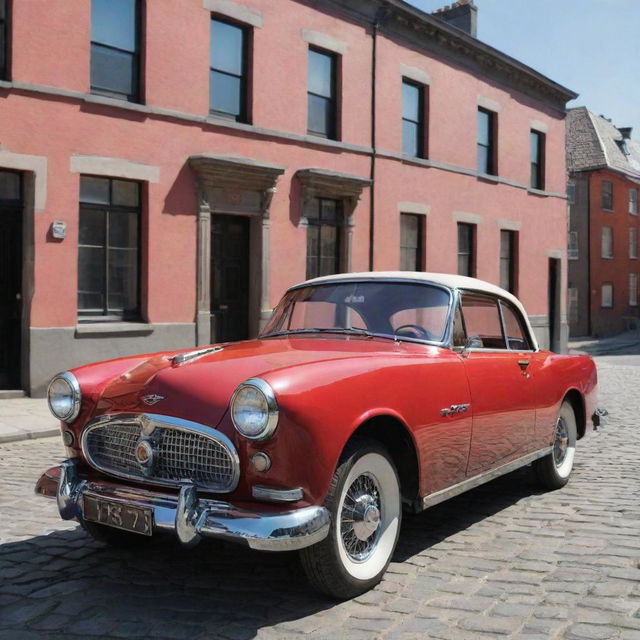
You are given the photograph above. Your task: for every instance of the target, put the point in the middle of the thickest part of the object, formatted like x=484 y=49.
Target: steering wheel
x=418 y=331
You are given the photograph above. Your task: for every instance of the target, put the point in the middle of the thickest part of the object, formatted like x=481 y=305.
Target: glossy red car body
x=330 y=386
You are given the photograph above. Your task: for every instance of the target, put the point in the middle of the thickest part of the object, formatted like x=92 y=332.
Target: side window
x=513 y=325
x=482 y=320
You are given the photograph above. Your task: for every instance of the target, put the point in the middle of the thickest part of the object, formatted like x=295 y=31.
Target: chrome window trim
x=448 y=330
x=68 y=377
x=272 y=407
x=500 y=300
x=148 y=423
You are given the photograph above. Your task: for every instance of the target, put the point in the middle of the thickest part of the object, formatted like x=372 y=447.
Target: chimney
x=462 y=15
x=626 y=132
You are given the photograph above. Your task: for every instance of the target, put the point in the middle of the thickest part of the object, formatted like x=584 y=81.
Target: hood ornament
x=192 y=355
x=152 y=399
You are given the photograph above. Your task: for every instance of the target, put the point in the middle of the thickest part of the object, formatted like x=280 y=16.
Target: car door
x=499 y=370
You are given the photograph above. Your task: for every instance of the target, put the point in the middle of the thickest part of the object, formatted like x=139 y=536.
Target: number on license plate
x=118 y=515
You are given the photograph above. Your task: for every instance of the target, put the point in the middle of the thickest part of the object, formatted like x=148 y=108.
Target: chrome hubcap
x=561 y=443
x=360 y=518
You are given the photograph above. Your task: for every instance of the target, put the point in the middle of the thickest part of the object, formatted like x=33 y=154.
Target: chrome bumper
x=189 y=516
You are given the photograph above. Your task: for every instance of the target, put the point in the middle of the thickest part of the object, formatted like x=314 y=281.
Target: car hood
x=200 y=389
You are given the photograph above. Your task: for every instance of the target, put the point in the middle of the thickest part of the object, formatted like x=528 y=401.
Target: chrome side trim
x=276 y=495
x=190 y=517
x=148 y=422
x=471 y=483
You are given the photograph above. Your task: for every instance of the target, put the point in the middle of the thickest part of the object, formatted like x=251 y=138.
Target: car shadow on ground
x=81 y=587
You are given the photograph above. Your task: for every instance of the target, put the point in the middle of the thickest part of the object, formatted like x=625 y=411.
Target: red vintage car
x=366 y=395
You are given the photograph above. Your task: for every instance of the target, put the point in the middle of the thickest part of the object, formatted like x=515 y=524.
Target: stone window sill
x=113 y=328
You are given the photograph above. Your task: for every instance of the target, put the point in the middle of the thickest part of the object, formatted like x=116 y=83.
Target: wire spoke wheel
x=360 y=518
x=561 y=442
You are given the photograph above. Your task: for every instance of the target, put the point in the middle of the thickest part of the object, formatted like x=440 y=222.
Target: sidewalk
x=25 y=418
x=626 y=342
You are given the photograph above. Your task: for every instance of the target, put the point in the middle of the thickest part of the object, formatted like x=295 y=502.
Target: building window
x=228 y=70
x=466 y=242
x=411 y=242
x=4 y=40
x=633 y=201
x=109 y=249
x=413 y=115
x=607 y=242
x=633 y=289
x=572 y=249
x=508 y=252
x=571 y=193
x=572 y=301
x=607 y=295
x=633 y=243
x=486 y=142
x=607 y=195
x=321 y=94
x=115 y=48
x=537 y=159
x=324 y=237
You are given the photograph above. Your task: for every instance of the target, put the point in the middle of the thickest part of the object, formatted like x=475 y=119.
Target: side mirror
x=472 y=342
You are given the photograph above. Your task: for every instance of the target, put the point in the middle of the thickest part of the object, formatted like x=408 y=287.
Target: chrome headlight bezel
x=74 y=393
x=271 y=414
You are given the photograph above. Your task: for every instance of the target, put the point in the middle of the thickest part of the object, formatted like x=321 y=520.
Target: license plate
x=118 y=515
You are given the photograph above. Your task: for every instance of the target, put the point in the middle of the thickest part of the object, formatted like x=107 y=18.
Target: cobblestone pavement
x=501 y=561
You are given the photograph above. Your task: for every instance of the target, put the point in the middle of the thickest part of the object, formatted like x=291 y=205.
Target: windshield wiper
x=340 y=330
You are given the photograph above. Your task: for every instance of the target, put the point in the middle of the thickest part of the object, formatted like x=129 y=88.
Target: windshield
x=400 y=310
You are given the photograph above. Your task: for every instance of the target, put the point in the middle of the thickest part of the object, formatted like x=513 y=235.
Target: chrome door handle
x=523 y=364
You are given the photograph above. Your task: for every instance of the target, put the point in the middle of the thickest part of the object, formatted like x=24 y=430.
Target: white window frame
x=633 y=243
x=573 y=252
x=633 y=289
x=633 y=202
x=606 y=243
x=606 y=295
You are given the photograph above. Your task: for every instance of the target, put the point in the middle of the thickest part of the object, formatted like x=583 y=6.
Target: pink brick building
x=168 y=168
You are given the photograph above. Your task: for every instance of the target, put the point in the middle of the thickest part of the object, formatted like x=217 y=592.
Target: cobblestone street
x=501 y=561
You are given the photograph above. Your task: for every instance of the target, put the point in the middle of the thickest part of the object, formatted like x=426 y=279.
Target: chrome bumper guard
x=189 y=516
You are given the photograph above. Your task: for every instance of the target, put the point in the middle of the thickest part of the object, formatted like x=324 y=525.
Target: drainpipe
x=589 y=294
x=380 y=16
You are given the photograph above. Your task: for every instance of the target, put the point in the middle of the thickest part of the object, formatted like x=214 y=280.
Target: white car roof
x=449 y=280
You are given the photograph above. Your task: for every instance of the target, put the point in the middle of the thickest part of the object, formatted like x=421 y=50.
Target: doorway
x=230 y=250
x=11 y=214
x=554 y=304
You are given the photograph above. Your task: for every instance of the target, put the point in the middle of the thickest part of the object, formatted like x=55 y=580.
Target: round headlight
x=254 y=409
x=64 y=397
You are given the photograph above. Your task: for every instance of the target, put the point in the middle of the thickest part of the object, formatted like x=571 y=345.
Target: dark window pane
x=411 y=102
x=410 y=242
x=535 y=146
x=329 y=210
x=3 y=9
x=92 y=227
x=313 y=234
x=91 y=279
x=225 y=93
x=9 y=185
x=126 y=193
x=113 y=22
x=312 y=209
x=321 y=71
x=227 y=45
x=123 y=229
x=3 y=40
x=465 y=250
x=94 y=190
x=112 y=70
x=410 y=138
x=123 y=280
x=320 y=116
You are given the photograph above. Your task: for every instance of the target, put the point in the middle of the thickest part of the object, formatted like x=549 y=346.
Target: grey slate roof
x=595 y=143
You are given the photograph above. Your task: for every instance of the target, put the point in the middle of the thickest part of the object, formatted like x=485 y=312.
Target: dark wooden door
x=10 y=279
x=229 y=278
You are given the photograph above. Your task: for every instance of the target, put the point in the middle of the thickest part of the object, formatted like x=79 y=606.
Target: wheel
x=114 y=537
x=365 y=507
x=554 y=470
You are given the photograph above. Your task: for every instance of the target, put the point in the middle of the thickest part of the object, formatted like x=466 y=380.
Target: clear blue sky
x=589 y=46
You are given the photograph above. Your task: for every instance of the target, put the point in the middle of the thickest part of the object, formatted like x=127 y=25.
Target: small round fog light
x=68 y=438
x=261 y=461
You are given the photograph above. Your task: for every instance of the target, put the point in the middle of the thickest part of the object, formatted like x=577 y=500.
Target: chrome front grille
x=181 y=451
